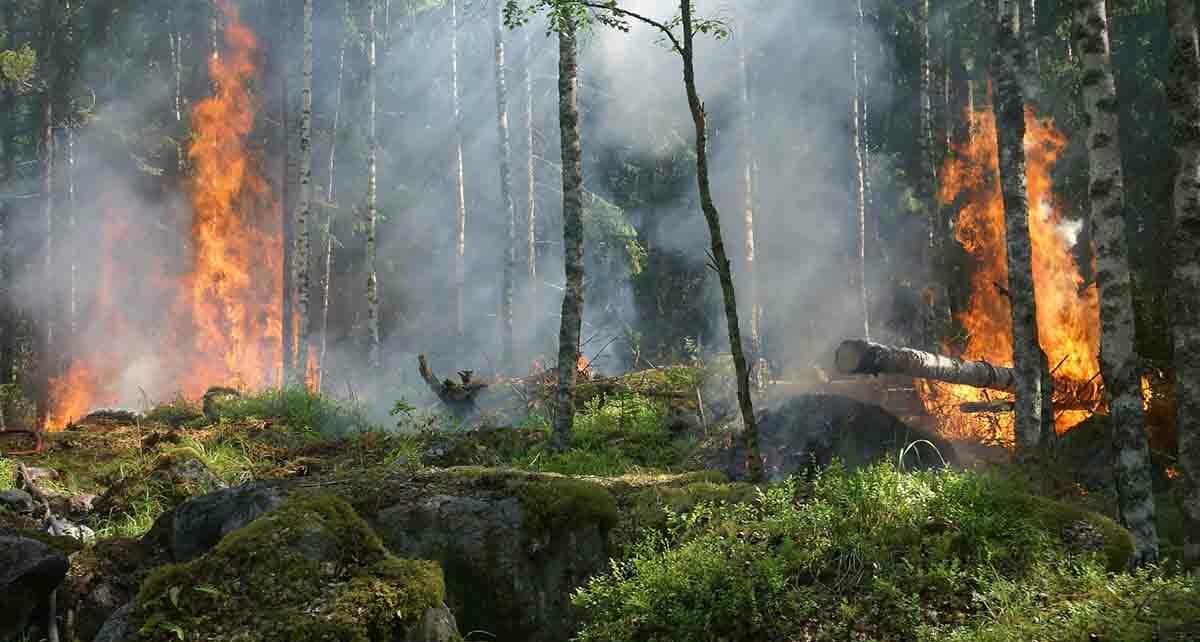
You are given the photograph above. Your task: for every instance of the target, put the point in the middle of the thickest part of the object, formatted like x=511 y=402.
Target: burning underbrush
x=160 y=325
x=1067 y=304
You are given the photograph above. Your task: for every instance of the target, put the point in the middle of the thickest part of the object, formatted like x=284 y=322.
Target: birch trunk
x=46 y=334
x=1183 y=95
x=746 y=152
x=373 y=349
x=937 y=312
x=1009 y=107
x=287 y=316
x=572 y=190
x=865 y=357
x=327 y=238
x=530 y=175
x=300 y=261
x=72 y=333
x=176 y=40
x=508 y=356
x=8 y=344
x=460 y=218
x=859 y=272
x=721 y=261
x=1118 y=355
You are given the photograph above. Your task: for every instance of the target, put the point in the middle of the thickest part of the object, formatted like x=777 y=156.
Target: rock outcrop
x=30 y=571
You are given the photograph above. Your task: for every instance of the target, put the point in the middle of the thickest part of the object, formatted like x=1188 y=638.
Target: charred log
x=865 y=357
x=458 y=396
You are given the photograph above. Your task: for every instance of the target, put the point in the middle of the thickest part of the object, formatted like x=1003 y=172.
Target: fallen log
x=864 y=357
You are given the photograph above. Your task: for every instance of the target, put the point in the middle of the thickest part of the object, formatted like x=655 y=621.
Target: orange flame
x=232 y=292
x=1068 y=312
x=223 y=323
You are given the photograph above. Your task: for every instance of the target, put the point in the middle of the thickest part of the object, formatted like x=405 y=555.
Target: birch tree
x=530 y=175
x=287 y=322
x=300 y=259
x=508 y=358
x=572 y=190
x=1118 y=356
x=460 y=194
x=1009 y=107
x=373 y=349
x=327 y=234
x=1183 y=96
x=859 y=273
x=746 y=169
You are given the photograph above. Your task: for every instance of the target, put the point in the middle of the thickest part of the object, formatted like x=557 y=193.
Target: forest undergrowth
x=870 y=554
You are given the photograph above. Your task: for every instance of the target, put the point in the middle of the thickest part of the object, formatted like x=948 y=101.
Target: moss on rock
x=311 y=569
x=557 y=503
x=1087 y=530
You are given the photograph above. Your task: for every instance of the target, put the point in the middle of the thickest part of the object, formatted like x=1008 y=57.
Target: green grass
x=881 y=555
x=299 y=409
x=612 y=435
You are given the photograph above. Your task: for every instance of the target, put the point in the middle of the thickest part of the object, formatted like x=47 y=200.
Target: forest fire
x=1068 y=310
x=222 y=324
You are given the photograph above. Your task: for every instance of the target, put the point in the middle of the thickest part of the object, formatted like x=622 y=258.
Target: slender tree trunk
x=1009 y=107
x=572 y=190
x=721 y=261
x=72 y=334
x=300 y=267
x=373 y=348
x=176 y=37
x=460 y=193
x=327 y=237
x=1183 y=95
x=46 y=334
x=288 y=315
x=746 y=152
x=530 y=175
x=68 y=66
x=859 y=273
x=937 y=312
x=1118 y=355
x=508 y=358
x=8 y=343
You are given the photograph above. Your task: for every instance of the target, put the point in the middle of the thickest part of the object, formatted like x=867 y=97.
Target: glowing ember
x=1068 y=312
x=222 y=324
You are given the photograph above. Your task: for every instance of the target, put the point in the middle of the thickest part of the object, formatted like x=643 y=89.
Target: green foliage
x=874 y=552
x=17 y=67
x=613 y=434
x=299 y=409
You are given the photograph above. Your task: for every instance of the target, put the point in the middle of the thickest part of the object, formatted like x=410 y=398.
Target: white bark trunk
x=1183 y=94
x=300 y=259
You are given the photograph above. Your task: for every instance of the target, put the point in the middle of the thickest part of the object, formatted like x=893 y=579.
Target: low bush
x=877 y=554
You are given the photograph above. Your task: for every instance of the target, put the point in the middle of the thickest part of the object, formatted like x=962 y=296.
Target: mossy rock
x=310 y=569
x=1086 y=530
x=555 y=504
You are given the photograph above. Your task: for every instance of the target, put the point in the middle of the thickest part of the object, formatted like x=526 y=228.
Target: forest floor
x=867 y=553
